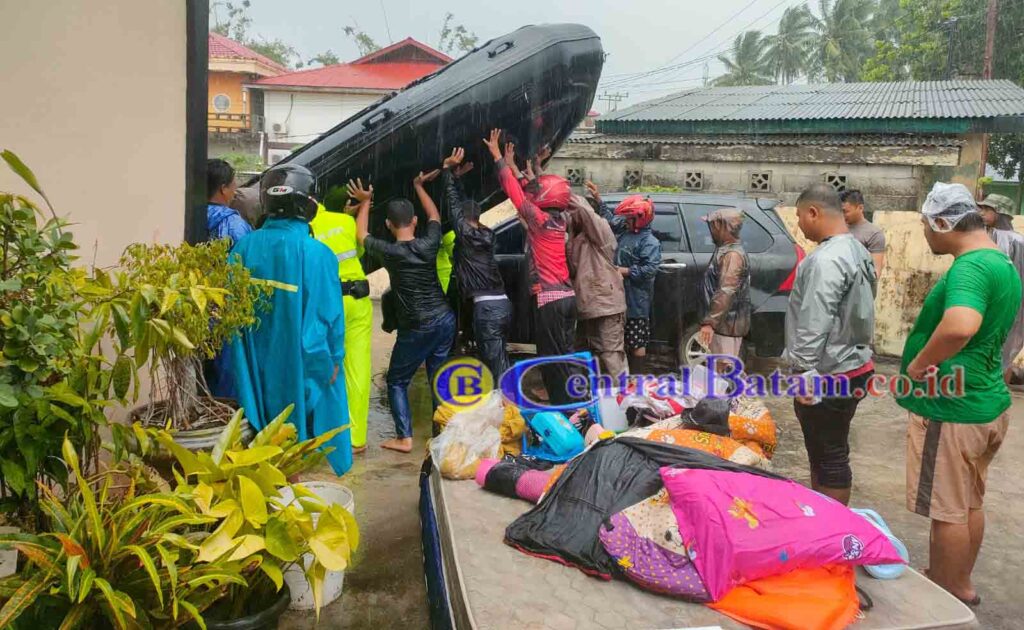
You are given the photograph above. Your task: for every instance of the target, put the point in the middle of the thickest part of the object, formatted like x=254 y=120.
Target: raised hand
x=358 y=192
x=544 y=153
x=455 y=159
x=593 y=190
x=493 y=143
x=463 y=168
x=423 y=178
x=510 y=153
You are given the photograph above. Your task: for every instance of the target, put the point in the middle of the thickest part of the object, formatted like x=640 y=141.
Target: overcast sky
x=639 y=35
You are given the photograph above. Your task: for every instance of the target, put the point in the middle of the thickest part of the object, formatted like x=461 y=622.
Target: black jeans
x=826 y=429
x=491 y=321
x=555 y=332
x=429 y=343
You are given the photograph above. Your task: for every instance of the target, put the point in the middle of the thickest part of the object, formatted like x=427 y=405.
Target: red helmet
x=638 y=211
x=554 y=192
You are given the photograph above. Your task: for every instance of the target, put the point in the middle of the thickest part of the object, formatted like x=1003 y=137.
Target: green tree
x=455 y=38
x=789 y=48
x=277 y=50
x=363 y=41
x=326 y=58
x=236 y=21
x=844 y=39
x=748 y=64
x=1006 y=155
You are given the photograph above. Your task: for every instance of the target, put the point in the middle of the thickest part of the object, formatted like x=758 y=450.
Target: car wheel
x=689 y=352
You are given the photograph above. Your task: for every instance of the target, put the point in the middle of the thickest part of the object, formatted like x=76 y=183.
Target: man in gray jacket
x=830 y=324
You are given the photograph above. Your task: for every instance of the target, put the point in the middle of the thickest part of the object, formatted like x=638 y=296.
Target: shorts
x=638 y=332
x=947 y=464
x=826 y=429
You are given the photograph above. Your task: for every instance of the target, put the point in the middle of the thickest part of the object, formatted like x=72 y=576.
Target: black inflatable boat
x=536 y=83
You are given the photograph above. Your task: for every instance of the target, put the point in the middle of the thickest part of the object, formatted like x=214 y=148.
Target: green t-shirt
x=986 y=281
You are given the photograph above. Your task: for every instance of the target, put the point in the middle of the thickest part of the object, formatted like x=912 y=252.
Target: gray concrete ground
x=385 y=588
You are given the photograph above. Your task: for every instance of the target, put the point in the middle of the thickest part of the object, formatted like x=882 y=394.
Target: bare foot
x=402 y=445
x=358 y=449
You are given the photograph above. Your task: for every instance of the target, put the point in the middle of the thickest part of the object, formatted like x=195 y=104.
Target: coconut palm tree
x=844 y=38
x=748 y=65
x=790 y=47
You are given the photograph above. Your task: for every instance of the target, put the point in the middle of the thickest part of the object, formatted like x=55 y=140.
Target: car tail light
x=787 y=284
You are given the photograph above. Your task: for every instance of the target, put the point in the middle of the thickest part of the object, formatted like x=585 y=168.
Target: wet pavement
x=385 y=587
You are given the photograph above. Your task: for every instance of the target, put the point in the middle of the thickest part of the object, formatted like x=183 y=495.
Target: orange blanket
x=804 y=599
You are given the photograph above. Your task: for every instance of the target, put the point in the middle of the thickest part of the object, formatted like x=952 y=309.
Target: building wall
x=308 y=114
x=229 y=84
x=71 y=75
x=910 y=272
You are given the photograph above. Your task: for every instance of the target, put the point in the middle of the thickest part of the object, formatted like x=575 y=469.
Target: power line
x=613 y=99
x=669 y=68
x=387 y=27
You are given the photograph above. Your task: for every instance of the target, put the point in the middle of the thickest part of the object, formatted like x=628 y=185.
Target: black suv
x=686 y=249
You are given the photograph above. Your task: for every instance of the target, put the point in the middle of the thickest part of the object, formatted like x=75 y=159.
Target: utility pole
x=990 y=45
x=706 y=73
x=990 y=37
x=613 y=99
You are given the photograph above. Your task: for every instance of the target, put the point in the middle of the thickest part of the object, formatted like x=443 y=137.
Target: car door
x=510 y=254
x=672 y=285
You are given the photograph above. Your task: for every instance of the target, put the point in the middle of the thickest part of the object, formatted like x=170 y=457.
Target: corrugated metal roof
x=832 y=101
x=874 y=140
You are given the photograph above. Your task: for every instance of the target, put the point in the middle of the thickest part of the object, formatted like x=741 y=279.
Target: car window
x=667 y=228
x=511 y=239
x=754 y=237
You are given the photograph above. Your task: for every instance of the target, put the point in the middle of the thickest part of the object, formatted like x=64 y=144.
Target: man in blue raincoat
x=295 y=353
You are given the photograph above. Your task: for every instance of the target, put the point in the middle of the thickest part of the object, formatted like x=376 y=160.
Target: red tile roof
x=372 y=72
x=224 y=48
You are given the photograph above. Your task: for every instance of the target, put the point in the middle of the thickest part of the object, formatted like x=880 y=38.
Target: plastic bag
x=469 y=436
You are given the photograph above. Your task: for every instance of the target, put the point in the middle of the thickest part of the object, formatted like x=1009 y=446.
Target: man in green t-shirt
x=952 y=437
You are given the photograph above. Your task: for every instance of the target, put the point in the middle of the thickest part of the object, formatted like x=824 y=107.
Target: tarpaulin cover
x=608 y=478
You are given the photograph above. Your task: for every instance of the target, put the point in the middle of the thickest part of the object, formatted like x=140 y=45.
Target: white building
x=299 y=106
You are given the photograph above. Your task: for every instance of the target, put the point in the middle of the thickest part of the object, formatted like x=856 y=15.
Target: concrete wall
x=94 y=102
x=891 y=177
x=911 y=270
x=308 y=114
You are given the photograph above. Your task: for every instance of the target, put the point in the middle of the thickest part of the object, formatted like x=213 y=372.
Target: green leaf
x=88 y=499
x=78 y=614
x=23 y=598
x=228 y=437
x=253 y=455
x=247 y=546
x=329 y=544
x=117 y=601
x=121 y=377
x=43 y=557
x=254 y=503
x=264 y=437
x=182 y=339
x=194 y=613
x=147 y=563
x=170 y=299
x=279 y=540
x=14 y=475
x=221 y=541
x=199 y=297
x=8 y=398
x=88 y=579
x=26 y=174
x=273 y=571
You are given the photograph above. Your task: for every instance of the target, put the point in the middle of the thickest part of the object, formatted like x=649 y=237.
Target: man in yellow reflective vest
x=335 y=227
x=444 y=259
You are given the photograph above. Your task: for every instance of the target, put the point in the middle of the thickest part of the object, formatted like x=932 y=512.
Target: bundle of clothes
x=683 y=503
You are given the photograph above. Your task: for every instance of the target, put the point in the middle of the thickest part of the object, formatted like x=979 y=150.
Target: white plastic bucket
x=294 y=576
x=613 y=417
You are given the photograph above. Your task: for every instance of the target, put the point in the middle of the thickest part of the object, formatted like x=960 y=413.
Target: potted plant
x=182 y=304
x=118 y=554
x=59 y=369
x=261 y=516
